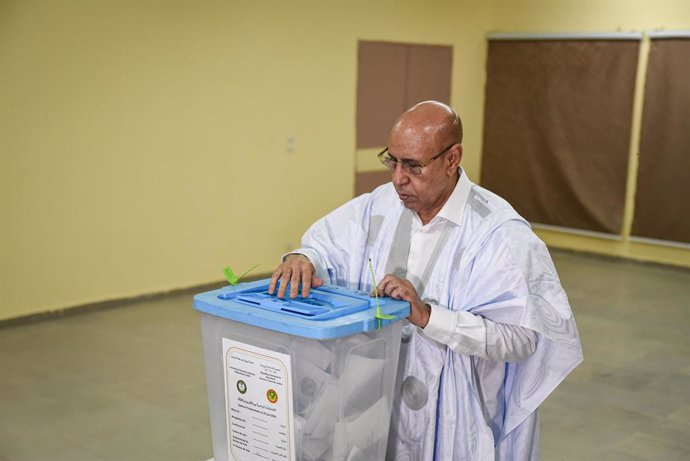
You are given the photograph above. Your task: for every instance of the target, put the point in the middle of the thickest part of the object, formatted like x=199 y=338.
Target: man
x=490 y=332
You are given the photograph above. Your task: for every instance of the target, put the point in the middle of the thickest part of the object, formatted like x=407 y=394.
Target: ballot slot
x=321 y=303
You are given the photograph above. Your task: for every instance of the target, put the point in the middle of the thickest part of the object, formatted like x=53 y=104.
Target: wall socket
x=290 y=144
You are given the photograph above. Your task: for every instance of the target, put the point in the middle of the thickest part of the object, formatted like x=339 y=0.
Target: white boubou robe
x=449 y=406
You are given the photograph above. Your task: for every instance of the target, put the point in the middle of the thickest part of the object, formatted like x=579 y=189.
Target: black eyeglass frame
x=405 y=163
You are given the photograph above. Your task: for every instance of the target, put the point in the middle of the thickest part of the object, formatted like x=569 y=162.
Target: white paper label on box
x=258 y=403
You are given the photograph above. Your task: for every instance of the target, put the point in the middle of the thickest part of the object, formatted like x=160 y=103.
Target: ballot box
x=299 y=379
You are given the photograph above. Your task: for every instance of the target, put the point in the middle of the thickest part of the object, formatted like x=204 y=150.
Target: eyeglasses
x=410 y=166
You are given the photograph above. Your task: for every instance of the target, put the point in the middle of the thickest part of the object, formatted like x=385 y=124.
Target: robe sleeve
x=511 y=279
x=470 y=334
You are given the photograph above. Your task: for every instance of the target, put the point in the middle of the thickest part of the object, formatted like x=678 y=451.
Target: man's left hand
x=398 y=288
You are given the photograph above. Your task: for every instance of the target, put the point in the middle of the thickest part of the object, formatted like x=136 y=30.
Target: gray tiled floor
x=128 y=384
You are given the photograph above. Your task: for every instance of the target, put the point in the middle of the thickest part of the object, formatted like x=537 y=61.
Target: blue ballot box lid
x=328 y=312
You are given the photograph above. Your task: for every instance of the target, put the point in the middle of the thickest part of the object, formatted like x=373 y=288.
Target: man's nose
x=400 y=176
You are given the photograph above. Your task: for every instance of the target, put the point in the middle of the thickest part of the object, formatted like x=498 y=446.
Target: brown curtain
x=662 y=201
x=557 y=126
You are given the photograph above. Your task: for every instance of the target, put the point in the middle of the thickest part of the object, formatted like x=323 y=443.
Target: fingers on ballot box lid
x=328 y=311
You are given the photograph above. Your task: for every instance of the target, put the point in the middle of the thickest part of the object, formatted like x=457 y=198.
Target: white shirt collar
x=454 y=207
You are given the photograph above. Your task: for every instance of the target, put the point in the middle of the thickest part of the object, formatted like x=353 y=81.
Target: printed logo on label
x=272 y=396
x=241 y=386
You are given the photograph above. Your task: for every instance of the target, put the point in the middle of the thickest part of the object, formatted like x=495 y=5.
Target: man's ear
x=454 y=158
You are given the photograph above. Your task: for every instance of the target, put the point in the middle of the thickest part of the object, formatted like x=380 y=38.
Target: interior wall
x=535 y=16
x=145 y=145
x=589 y=15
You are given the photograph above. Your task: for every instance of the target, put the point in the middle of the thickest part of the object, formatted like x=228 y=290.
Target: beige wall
x=143 y=145
x=589 y=15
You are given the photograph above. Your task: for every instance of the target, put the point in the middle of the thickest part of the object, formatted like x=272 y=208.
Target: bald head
x=438 y=123
x=429 y=135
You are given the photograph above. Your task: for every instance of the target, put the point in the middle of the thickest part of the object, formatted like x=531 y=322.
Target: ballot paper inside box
x=303 y=379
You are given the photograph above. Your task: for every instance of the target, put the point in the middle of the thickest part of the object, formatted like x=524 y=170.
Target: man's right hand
x=295 y=269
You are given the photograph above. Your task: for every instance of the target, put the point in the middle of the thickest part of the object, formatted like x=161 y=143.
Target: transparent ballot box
x=299 y=379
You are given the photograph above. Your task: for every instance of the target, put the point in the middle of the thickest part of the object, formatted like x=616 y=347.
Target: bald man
x=490 y=333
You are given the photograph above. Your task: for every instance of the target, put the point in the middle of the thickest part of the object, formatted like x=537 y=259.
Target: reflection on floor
x=127 y=383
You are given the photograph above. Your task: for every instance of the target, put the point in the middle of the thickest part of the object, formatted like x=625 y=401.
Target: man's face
x=425 y=190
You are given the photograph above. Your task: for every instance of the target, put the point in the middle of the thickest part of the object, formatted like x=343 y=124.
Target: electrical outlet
x=290 y=144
